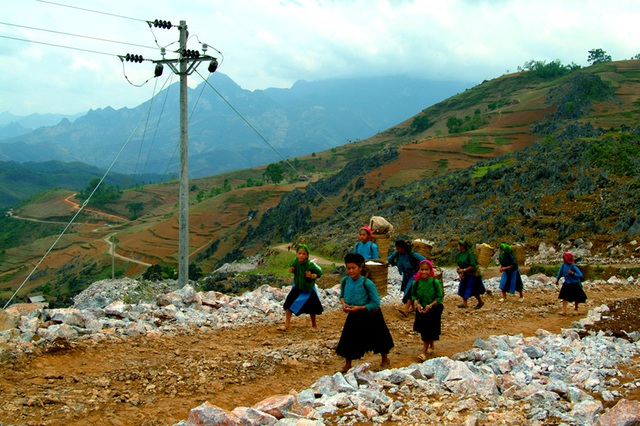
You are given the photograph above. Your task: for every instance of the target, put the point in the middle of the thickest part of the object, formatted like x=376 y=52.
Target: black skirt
x=471 y=286
x=429 y=324
x=572 y=292
x=364 y=331
x=311 y=306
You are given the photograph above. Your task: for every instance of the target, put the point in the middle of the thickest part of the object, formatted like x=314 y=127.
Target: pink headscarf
x=568 y=258
x=418 y=275
x=368 y=231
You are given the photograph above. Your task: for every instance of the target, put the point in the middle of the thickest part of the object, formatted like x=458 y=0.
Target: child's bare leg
x=576 y=306
x=564 y=307
x=425 y=348
x=504 y=294
x=287 y=319
x=347 y=365
x=427 y=345
x=314 y=325
x=521 y=295
x=384 y=360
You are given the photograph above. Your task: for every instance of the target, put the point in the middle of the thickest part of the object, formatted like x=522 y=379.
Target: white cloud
x=275 y=43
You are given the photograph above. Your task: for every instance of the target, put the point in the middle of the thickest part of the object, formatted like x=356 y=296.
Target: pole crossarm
x=195 y=62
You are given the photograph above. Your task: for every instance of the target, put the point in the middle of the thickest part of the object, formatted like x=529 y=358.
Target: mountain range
x=229 y=128
x=527 y=158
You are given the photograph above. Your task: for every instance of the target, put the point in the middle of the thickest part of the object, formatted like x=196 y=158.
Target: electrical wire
x=153 y=139
x=84 y=204
x=209 y=46
x=127 y=77
x=146 y=126
x=91 y=10
x=274 y=149
x=175 y=150
x=58 y=45
x=78 y=35
x=166 y=96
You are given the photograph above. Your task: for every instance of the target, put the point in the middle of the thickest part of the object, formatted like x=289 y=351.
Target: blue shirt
x=361 y=292
x=402 y=261
x=574 y=278
x=368 y=250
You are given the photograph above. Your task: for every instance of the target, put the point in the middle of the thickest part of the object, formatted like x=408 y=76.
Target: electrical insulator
x=162 y=24
x=134 y=58
x=190 y=53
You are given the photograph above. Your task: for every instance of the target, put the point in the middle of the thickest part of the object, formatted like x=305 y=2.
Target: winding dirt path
x=157 y=379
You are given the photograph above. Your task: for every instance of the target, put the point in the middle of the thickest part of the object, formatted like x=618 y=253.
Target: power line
x=91 y=10
x=58 y=45
x=78 y=35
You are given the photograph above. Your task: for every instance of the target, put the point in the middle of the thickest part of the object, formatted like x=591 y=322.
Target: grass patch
x=475 y=146
x=548 y=270
x=276 y=264
x=255 y=198
x=362 y=150
x=502 y=140
x=442 y=163
x=482 y=170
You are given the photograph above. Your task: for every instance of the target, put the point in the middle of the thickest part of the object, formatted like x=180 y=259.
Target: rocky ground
x=152 y=364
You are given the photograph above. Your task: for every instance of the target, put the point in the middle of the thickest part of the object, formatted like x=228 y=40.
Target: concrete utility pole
x=187 y=62
x=183 y=251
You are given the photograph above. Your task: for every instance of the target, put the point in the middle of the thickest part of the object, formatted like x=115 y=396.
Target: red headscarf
x=368 y=231
x=568 y=258
x=418 y=275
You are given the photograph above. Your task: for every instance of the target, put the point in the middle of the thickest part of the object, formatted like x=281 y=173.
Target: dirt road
x=156 y=380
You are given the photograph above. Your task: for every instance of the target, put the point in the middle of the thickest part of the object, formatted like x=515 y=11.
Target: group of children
x=365 y=329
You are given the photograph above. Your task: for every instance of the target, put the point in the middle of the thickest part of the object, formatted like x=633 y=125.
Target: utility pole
x=183 y=250
x=187 y=62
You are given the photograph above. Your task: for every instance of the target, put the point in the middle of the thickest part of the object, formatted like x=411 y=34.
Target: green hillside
x=528 y=157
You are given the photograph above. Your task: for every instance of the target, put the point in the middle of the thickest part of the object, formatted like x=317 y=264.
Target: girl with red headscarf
x=571 y=290
x=427 y=292
x=365 y=245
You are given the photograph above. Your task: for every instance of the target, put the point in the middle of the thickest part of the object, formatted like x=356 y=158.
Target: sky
x=61 y=56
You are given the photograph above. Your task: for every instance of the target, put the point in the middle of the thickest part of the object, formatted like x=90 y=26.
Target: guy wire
x=273 y=148
x=84 y=204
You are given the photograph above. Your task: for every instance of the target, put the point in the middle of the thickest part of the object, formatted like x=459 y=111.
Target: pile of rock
x=127 y=307
x=502 y=380
x=100 y=313
x=547 y=254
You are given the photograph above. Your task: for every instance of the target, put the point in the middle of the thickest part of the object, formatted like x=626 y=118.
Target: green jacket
x=426 y=291
x=304 y=284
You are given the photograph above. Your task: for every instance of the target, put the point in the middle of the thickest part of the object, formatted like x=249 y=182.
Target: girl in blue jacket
x=571 y=290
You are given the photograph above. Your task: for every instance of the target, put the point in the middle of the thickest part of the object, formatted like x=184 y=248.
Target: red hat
x=368 y=231
x=568 y=258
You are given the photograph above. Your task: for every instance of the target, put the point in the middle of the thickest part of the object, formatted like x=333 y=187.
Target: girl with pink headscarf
x=427 y=293
x=365 y=245
x=571 y=290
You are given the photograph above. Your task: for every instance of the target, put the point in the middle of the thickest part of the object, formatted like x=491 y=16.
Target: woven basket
x=382 y=241
x=484 y=252
x=520 y=253
x=422 y=247
x=439 y=277
x=378 y=273
x=438 y=272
